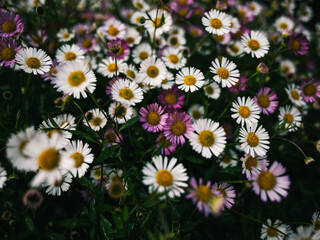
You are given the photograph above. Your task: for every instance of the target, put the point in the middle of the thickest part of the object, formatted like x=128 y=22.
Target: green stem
x=115 y=62
x=294 y=144
x=237 y=181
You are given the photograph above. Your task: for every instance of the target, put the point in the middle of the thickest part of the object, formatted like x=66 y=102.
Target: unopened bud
x=262 y=68
x=114 y=46
x=142 y=20
x=308 y=160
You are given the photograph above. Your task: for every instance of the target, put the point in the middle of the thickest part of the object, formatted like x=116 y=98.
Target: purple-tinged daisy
x=51 y=75
x=266 y=100
x=112 y=137
x=81 y=30
x=153 y=117
x=88 y=43
x=298 y=44
x=11 y=25
x=200 y=194
x=310 y=90
x=228 y=193
x=240 y=85
x=172 y=98
x=37 y=39
x=249 y=162
x=8 y=51
x=268 y=183
x=178 y=126
x=167 y=146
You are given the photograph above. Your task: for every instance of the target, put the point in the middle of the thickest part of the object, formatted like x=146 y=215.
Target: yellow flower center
x=113 y=31
x=58 y=182
x=309 y=89
x=164 y=81
x=250 y=163
x=7 y=54
x=253 y=44
x=252 y=139
x=157 y=22
x=96 y=121
x=49 y=159
x=285 y=69
x=131 y=74
x=206 y=138
x=116 y=189
x=189 y=80
x=143 y=55
x=139 y=5
x=295 y=45
x=152 y=71
x=33 y=62
x=182 y=12
x=219 y=38
x=81 y=31
x=283 y=25
x=234 y=48
x=288 y=117
x=8 y=26
x=223 y=73
x=316 y=225
x=173 y=58
x=173 y=41
x=295 y=95
x=271 y=232
x=209 y=90
x=164 y=178
x=203 y=193
x=120 y=111
x=70 y=56
x=194 y=32
x=66 y=35
x=87 y=44
x=170 y=99
x=51 y=132
x=76 y=78
x=112 y=67
x=153 y=118
x=266 y=180
x=263 y=101
x=78 y=159
x=215 y=23
x=130 y=40
x=226 y=159
x=126 y=93
x=121 y=51
x=182 y=2
x=244 y=111
x=178 y=128
x=52 y=72
x=196 y=114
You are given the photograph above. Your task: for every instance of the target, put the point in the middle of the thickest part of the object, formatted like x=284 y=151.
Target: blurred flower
x=167 y=146
x=161 y=22
x=9 y=49
x=108 y=67
x=228 y=159
x=196 y=111
x=310 y=90
x=120 y=112
x=3 y=176
x=32 y=199
x=126 y=92
x=263 y=68
x=249 y=163
x=11 y=25
x=305 y=232
x=112 y=137
x=315 y=219
x=269 y=233
x=172 y=98
x=266 y=100
x=173 y=59
x=64 y=35
x=294 y=93
x=61 y=184
x=298 y=44
x=228 y=193
x=292 y=116
x=96 y=119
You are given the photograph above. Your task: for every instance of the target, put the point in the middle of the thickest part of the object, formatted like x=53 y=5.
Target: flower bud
x=262 y=68
x=114 y=46
x=308 y=160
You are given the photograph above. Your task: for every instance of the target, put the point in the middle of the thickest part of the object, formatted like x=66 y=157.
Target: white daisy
x=305 y=13
x=32 y=60
x=120 y=112
x=114 y=29
x=255 y=8
x=107 y=67
x=160 y=22
x=228 y=159
x=255 y=44
x=216 y=22
x=315 y=219
x=81 y=155
x=136 y=16
x=226 y=72
x=133 y=37
x=141 y=53
x=165 y=177
x=235 y=25
x=209 y=138
x=168 y=81
x=294 y=93
x=173 y=59
x=64 y=35
x=141 y=5
x=212 y=90
x=287 y=67
x=249 y=162
x=254 y=141
x=61 y=184
x=235 y=49
x=3 y=176
x=284 y=23
x=153 y=71
x=131 y=72
x=268 y=233
x=292 y=116
x=196 y=111
x=69 y=53
x=245 y=111
x=95 y=119
x=305 y=232
x=74 y=78
x=126 y=92
x=176 y=41
x=189 y=79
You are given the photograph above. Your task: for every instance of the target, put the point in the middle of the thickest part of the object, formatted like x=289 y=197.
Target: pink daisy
x=88 y=43
x=200 y=194
x=298 y=44
x=240 y=84
x=8 y=51
x=270 y=183
x=178 y=126
x=11 y=25
x=310 y=90
x=172 y=98
x=167 y=146
x=153 y=117
x=228 y=193
x=266 y=100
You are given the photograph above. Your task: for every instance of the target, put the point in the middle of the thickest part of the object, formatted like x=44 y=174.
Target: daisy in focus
x=216 y=22
x=226 y=72
x=126 y=92
x=165 y=176
x=160 y=22
x=173 y=59
x=255 y=44
x=249 y=163
x=266 y=100
x=189 y=79
x=292 y=116
x=153 y=117
x=153 y=71
x=61 y=184
x=69 y=53
x=95 y=119
x=245 y=111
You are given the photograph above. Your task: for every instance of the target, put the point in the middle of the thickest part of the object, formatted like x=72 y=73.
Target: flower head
x=255 y=44
x=266 y=100
x=153 y=117
x=32 y=199
x=298 y=44
x=9 y=49
x=11 y=25
x=310 y=90
x=226 y=72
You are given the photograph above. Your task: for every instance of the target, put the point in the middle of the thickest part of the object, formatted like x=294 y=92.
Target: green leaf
x=92 y=233
x=105 y=226
x=125 y=213
x=107 y=152
x=117 y=221
x=195 y=160
x=87 y=183
x=29 y=224
x=129 y=123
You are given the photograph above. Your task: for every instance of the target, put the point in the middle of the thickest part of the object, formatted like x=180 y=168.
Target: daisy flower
x=168 y=81
x=61 y=184
x=120 y=112
x=178 y=127
x=172 y=98
x=95 y=119
x=228 y=159
x=235 y=25
x=305 y=232
x=212 y=90
x=305 y=13
x=176 y=41
x=292 y=116
x=315 y=219
x=287 y=67
x=228 y=193
x=141 y=53
x=200 y=194
x=33 y=61
x=208 y=139
x=235 y=48
x=167 y=147
x=226 y=72
x=32 y=199
x=284 y=23
x=9 y=49
x=254 y=141
x=266 y=100
x=268 y=233
x=80 y=30
x=136 y=16
x=245 y=13
x=154 y=118
x=75 y=78
x=255 y=44
x=112 y=137
x=164 y=176
x=131 y=72
x=116 y=187
x=156 y=24
x=126 y=92
x=298 y=44
x=141 y=5
x=310 y=90
x=269 y=183
x=52 y=73
x=107 y=67
x=216 y=22
x=249 y=162
x=152 y=71
x=81 y=156
x=245 y=111
x=223 y=39
x=69 y=53
x=133 y=37
x=3 y=176
x=114 y=29
x=173 y=59
x=196 y=111
x=64 y=35
x=189 y=79
x=11 y=25
x=255 y=8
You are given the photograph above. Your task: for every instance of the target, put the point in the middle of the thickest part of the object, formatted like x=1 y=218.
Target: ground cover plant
x=164 y=119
